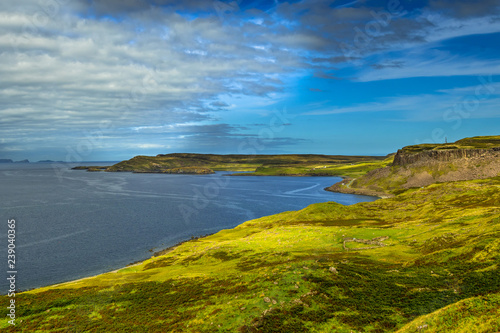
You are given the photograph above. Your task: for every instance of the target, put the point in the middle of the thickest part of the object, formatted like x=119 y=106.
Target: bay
x=72 y=224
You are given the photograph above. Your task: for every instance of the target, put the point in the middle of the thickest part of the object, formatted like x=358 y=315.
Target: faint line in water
x=55 y=238
x=302 y=189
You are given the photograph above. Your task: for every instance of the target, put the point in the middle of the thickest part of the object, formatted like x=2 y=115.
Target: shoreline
x=341 y=187
x=135 y=263
x=236 y=172
x=158 y=253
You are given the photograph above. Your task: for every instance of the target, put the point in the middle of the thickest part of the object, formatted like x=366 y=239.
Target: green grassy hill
x=474 y=314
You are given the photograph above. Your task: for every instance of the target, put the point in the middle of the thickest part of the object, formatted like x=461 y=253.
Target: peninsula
x=252 y=165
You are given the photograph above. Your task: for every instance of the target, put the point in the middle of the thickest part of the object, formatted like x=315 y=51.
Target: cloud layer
x=167 y=75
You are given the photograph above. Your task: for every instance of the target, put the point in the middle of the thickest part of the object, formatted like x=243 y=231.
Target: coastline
x=282 y=258
x=162 y=251
x=344 y=187
x=68 y=274
x=133 y=264
x=306 y=267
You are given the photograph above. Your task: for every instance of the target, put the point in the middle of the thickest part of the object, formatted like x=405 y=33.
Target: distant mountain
x=4 y=160
x=23 y=161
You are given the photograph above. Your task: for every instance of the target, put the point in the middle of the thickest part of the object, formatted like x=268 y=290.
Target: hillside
x=302 y=271
x=425 y=260
x=422 y=165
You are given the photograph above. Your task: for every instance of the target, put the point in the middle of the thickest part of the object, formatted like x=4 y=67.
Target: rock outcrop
x=426 y=164
x=445 y=155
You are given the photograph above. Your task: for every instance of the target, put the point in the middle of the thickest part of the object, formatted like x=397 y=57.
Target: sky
x=106 y=80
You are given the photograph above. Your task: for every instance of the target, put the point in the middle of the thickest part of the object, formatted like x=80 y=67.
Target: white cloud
x=68 y=73
x=148 y=146
x=440 y=66
x=149 y=73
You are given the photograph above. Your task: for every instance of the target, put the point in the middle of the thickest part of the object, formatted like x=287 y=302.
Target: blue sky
x=107 y=80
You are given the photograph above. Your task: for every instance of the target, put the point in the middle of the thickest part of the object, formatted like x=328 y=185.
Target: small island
x=91 y=168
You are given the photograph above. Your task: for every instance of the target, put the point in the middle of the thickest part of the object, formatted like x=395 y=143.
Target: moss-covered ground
x=428 y=261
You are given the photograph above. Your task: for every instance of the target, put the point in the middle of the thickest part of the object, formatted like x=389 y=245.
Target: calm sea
x=72 y=224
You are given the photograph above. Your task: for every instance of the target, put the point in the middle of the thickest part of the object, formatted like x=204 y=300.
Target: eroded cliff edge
x=423 y=165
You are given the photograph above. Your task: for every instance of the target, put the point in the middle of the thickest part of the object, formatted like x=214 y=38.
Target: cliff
x=403 y=157
x=426 y=164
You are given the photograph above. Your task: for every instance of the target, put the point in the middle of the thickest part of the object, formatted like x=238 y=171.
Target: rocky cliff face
x=423 y=168
x=403 y=158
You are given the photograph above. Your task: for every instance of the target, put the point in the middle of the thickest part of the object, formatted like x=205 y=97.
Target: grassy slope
x=262 y=165
x=483 y=315
x=353 y=169
x=275 y=274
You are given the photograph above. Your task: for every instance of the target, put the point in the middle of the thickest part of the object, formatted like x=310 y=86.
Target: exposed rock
x=411 y=170
x=404 y=158
x=377 y=242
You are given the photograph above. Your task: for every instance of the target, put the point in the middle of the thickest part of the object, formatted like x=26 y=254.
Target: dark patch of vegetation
x=90 y=168
x=225 y=256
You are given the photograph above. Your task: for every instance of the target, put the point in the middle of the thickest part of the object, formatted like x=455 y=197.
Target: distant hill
x=11 y=161
x=425 y=164
x=259 y=165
